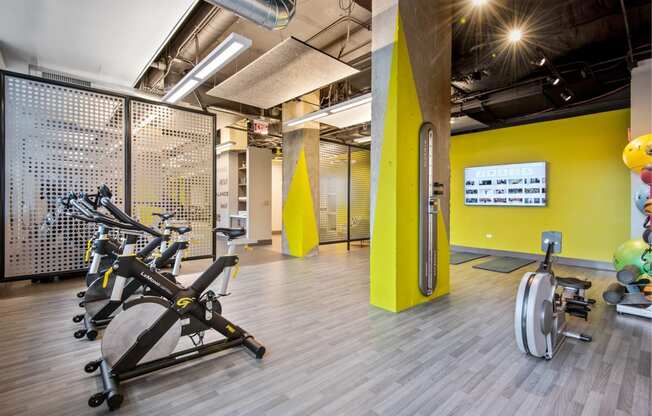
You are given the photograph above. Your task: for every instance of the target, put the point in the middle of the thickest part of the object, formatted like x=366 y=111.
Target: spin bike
x=105 y=296
x=542 y=302
x=102 y=250
x=143 y=338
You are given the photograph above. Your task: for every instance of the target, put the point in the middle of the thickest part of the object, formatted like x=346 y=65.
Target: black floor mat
x=460 y=257
x=503 y=264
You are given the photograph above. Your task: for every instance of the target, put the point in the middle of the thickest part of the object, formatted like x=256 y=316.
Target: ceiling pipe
x=272 y=14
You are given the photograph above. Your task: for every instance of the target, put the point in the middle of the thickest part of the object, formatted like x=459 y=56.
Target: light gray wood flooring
x=331 y=353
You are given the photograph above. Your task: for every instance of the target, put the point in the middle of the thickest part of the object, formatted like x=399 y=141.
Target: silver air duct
x=272 y=14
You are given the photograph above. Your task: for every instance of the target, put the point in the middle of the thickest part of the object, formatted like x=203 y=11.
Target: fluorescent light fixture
x=219 y=60
x=337 y=108
x=310 y=117
x=224 y=53
x=182 y=91
x=361 y=140
x=222 y=147
x=350 y=104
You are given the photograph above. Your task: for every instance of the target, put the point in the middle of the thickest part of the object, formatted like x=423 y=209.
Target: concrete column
x=300 y=236
x=411 y=68
x=641 y=124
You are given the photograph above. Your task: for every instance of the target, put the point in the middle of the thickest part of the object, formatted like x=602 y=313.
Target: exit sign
x=261 y=127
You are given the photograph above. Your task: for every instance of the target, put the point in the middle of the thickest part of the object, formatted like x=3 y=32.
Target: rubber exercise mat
x=503 y=264
x=460 y=257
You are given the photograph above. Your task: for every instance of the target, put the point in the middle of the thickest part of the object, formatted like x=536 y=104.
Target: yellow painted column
x=300 y=235
x=411 y=86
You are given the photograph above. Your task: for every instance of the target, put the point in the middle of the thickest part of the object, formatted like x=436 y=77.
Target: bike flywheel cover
x=125 y=329
x=96 y=296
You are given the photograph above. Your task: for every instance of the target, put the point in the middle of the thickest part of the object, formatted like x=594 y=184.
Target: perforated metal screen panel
x=172 y=169
x=57 y=139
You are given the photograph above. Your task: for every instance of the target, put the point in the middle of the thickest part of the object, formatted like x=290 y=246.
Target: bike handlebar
x=122 y=216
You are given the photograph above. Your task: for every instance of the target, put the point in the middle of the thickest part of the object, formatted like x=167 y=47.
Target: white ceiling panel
x=108 y=41
x=287 y=71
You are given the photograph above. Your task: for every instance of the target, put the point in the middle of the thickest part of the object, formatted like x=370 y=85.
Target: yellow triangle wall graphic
x=298 y=212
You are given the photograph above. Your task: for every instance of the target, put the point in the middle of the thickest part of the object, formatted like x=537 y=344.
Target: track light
x=541 y=62
x=224 y=53
x=515 y=35
x=554 y=80
x=566 y=95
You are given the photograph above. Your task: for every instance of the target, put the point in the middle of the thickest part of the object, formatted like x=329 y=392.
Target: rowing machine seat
x=573 y=283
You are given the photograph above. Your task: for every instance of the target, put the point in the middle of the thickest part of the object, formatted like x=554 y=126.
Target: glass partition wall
x=344 y=187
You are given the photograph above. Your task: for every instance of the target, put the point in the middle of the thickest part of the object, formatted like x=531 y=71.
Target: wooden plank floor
x=330 y=353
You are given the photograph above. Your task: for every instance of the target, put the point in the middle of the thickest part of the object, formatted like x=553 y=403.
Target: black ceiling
x=585 y=43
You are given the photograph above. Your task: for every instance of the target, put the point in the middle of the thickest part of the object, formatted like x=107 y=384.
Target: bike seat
x=180 y=230
x=164 y=215
x=573 y=283
x=231 y=233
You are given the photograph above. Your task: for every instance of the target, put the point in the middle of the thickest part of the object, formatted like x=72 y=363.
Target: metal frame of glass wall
x=349 y=238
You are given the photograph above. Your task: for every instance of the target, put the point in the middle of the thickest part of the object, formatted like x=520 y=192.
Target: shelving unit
x=245 y=193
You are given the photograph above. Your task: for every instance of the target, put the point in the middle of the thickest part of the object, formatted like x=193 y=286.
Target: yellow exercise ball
x=638 y=153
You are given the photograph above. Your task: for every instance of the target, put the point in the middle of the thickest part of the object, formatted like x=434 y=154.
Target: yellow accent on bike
x=183 y=302
x=87 y=254
x=107 y=273
x=230 y=328
x=236 y=270
x=248 y=247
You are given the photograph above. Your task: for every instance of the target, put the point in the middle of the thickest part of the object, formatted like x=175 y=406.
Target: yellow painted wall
x=588 y=186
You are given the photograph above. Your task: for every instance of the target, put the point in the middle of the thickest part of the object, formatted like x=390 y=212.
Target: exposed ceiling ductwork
x=272 y=14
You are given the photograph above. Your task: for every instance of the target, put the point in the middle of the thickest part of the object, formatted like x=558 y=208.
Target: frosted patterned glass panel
x=57 y=140
x=360 y=190
x=172 y=169
x=333 y=195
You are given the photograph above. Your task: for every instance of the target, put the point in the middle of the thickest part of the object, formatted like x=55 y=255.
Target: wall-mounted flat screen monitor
x=520 y=184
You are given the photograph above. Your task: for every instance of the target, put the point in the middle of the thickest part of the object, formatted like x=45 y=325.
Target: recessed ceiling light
x=478 y=3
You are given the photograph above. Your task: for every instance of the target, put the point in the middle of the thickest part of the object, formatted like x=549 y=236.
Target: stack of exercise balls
x=633 y=258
